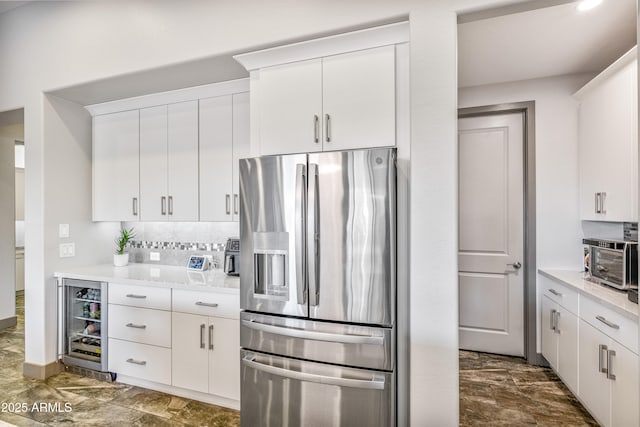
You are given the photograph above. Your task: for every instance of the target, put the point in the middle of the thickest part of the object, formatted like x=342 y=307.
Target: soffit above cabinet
x=619 y=64
x=326 y=46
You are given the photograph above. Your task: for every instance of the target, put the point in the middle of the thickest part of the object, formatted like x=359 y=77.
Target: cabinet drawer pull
x=228 y=203
x=163 y=205
x=135 y=206
x=608 y=323
x=555 y=323
x=136 y=296
x=597 y=198
x=601 y=368
x=210 y=337
x=327 y=128
x=610 y=375
x=137 y=362
x=170 y=205
x=603 y=199
x=235 y=204
x=202 y=336
x=316 y=129
x=552 y=320
x=207 y=304
x=133 y=325
x=556 y=293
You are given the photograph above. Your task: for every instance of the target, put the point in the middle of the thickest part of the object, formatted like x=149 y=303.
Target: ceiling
x=552 y=41
x=6 y=6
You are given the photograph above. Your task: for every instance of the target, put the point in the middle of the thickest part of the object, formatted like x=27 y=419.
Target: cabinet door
x=549 y=336
x=190 y=353
x=224 y=359
x=594 y=387
x=624 y=389
x=359 y=99
x=608 y=147
x=567 y=333
x=182 y=203
x=290 y=106
x=216 y=153
x=116 y=167
x=240 y=145
x=153 y=163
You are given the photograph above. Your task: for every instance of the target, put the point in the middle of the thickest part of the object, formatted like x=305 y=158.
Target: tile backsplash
x=175 y=242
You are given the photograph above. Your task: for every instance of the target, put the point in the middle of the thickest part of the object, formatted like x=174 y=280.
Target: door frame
x=530 y=309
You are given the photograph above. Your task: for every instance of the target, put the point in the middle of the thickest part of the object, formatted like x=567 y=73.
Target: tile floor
x=506 y=391
x=494 y=391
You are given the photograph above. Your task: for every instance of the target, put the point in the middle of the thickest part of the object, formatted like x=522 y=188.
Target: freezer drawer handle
x=312 y=335
x=207 y=304
x=137 y=362
x=133 y=325
x=136 y=296
x=376 y=382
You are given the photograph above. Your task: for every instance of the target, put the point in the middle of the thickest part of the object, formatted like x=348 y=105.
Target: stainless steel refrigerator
x=318 y=289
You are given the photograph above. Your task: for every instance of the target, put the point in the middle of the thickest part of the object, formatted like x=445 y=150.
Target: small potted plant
x=121 y=258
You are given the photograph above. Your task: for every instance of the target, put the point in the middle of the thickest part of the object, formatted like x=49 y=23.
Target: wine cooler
x=82 y=323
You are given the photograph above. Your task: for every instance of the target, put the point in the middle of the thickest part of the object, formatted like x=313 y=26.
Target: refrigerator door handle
x=301 y=202
x=376 y=382
x=313 y=335
x=312 y=234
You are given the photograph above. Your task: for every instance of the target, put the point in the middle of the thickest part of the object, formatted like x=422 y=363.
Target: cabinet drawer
x=207 y=303
x=616 y=326
x=562 y=294
x=142 y=361
x=140 y=325
x=140 y=296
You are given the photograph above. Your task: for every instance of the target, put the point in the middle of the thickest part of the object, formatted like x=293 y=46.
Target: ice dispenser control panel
x=271 y=265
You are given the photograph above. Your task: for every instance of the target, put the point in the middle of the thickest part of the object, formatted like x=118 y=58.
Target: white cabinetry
x=338 y=102
x=608 y=145
x=206 y=343
x=116 y=167
x=224 y=139
x=169 y=162
x=560 y=333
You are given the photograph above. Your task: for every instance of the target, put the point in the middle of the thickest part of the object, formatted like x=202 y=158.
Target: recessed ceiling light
x=588 y=4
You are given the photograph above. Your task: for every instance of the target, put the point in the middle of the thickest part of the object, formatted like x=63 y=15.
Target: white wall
x=7 y=225
x=558 y=230
x=67 y=43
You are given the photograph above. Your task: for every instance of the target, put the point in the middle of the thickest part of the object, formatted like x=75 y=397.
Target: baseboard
x=41 y=372
x=9 y=322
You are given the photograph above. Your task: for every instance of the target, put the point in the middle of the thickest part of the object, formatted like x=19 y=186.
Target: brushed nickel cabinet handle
x=170 y=205
x=207 y=304
x=137 y=362
x=136 y=296
x=607 y=322
x=552 y=318
x=135 y=206
x=601 y=368
x=610 y=374
x=597 y=201
x=327 y=129
x=556 y=328
x=163 y=205
x=133 y=325
x=202 y=335
x=228 y=203
x=235 y=204
x=556 y=293
x=603 y=199
x=210 y=337
x=316 y=128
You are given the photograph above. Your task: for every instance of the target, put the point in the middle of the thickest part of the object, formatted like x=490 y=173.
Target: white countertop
x=612 y=298
x=165 y=276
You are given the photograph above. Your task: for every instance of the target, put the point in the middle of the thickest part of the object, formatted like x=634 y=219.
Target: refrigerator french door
x=318 y=284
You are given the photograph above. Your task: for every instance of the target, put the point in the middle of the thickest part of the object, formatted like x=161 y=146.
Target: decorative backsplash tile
x=175 y=242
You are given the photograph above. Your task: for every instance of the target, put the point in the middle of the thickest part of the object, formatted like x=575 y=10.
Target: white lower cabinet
x=608 y=378
x=206 y=354
x=560 y=341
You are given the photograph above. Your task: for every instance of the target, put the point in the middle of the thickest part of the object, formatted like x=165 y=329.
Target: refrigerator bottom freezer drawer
x=368 y=347
x=278 y=391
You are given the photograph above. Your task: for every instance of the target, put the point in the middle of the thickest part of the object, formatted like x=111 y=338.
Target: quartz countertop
x=166 y=276
x=609 y=297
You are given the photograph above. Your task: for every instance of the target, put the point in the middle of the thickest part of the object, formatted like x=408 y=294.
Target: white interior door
x=491 y=233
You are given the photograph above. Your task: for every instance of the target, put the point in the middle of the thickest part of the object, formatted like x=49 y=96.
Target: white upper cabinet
x=333 y=93
x=608 y=145
x=116 y=167
x=169 y=162
x=290 y=108
x=359 y=99
x=224 y=139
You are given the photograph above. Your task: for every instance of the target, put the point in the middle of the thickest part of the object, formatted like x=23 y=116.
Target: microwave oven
x=613 y=262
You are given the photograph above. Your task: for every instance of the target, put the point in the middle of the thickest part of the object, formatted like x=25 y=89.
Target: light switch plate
x=63 y=231
x=154 y=256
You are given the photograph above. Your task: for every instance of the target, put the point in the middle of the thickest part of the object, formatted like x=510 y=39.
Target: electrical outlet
x=67 y=250
x=154 y=256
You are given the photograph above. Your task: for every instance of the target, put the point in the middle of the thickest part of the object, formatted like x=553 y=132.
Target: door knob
x=517 y=265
